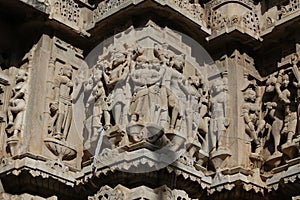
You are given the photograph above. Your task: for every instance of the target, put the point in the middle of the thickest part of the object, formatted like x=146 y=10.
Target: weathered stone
x=149 y=99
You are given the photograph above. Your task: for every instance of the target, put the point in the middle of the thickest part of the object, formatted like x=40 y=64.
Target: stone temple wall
x=149 y=99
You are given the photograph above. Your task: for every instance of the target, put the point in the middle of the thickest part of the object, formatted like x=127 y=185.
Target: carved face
x=285 y=81
x=97 y=75
x=21 y=76
x=118 y=58
x=67 y=71
x=271 y=84
x=88 y=85
x=103 y=65
x=147 y=72
x=250 y=95
x=218 y=86
x=81 y=75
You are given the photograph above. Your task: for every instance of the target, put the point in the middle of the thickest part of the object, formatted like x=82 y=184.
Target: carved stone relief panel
x=146 y=95
x=4 y=92
x=255 y=125
x=191 y=9
x=288 y=8
x=4 y=81
x=62 y=138
x=6 y=196
x=142 y=192
x=277 y=12
x=243 y=16
x=43 y=127
x=69 y=13
x=270 y=113
x=15 y=104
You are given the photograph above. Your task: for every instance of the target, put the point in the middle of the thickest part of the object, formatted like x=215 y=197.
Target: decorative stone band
x=142 y=192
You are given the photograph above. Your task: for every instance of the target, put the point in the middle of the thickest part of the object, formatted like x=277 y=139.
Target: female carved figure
x=114 y=73
x=173 y=104
x=296 y=83
x=218 y=114
x=61 y=108
x=100 y=103
x=17 y=104
x=290 y=120
x=250 y=110
x=274 y=109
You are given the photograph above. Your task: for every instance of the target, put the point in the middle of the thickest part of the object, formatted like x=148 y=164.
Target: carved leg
x=189 y=124
x=59 y=122
x=290 y=137
x=261 y=126
x=117 y=113
x=214 y=135
x=96 y=125
x=276 y=128
x=298 y=121
x=18 y=124
x=221 y=139
x=67 y=122
x=107 y=118
x=10 y=117
x=175 y=112
x=291 y=126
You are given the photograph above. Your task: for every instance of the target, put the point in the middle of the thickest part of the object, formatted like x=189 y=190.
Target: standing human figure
x=17 y=104
x=218 y=114
x=61 y=108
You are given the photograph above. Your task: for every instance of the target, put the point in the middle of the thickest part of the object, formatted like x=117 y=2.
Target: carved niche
x=146 y=94
x=65 y=73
